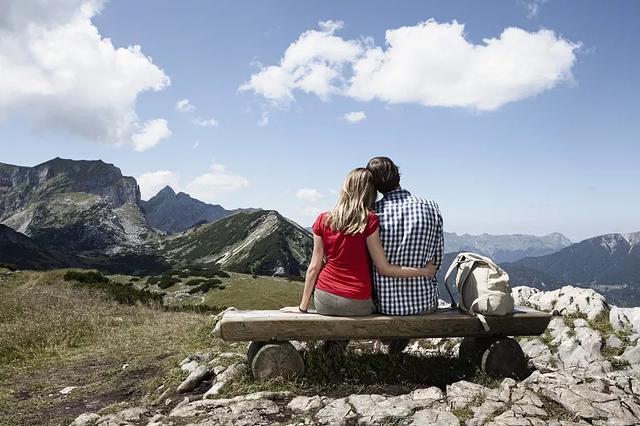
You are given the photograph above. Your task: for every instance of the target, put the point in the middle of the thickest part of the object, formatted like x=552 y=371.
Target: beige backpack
x=482 y=285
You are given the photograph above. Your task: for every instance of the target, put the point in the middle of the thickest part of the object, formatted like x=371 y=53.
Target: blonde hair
x=351 y=213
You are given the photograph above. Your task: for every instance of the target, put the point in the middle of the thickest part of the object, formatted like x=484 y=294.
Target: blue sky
x=556 y=155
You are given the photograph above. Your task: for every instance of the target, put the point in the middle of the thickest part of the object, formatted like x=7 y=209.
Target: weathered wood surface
x=278 y=359
x=276 y=325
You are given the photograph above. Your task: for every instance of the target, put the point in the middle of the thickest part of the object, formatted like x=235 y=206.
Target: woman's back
x=347 y=271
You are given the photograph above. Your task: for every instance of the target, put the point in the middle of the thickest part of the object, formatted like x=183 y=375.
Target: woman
x=346 y=236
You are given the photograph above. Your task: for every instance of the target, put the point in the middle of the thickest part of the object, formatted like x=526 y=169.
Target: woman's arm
x=315 y=266
x=385 y=268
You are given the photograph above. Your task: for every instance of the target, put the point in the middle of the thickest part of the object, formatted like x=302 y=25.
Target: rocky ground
x=587 y=371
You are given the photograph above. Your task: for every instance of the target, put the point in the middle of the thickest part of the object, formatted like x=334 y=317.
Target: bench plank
x=276 y=325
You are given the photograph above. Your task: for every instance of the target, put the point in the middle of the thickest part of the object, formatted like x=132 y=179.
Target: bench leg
x=505 y=358
x=472 y=349
x=277 y=359
x=253 y=349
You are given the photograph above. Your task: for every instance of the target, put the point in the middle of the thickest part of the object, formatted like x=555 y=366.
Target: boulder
x=337 y=412
x=194 y=379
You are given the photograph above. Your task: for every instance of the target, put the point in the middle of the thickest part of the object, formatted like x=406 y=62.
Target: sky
x=515 y=117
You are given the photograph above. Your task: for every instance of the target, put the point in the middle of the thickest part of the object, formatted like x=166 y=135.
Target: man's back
x=411 y=234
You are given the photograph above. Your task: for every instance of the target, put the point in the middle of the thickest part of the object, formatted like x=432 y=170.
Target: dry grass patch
x=53 y=335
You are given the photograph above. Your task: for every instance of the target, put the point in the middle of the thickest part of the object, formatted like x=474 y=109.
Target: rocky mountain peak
x=172 y=213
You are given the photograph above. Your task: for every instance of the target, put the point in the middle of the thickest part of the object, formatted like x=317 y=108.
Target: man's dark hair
x=386 y=175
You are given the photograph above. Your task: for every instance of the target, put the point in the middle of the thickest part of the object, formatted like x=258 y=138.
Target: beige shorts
x=331 y=304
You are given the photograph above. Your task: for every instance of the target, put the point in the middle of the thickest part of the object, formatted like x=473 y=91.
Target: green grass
x=244 y=292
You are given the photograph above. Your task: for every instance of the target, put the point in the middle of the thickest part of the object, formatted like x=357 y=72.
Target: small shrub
x=135 y=279
x=153 y=280
x=619 y=364
x=223 y=274
x=206 y=286
x=9 y=266
x=167 y=281
x=88 y=277
x=194 y=282
x=122 y=293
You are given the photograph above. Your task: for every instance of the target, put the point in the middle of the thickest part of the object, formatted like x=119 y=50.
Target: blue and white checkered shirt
x=411 y=234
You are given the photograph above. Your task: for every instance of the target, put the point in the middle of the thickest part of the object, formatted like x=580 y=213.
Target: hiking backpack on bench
x=483 y=287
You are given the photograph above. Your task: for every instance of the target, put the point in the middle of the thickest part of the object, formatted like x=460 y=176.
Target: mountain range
x=87 y=214
x=505 y=248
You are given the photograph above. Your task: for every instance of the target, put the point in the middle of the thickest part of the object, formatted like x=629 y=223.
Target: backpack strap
x=480 y=317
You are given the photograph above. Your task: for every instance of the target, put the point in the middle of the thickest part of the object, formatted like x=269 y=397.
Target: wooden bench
x=271 y=353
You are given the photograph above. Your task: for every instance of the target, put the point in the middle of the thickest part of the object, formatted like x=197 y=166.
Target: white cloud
x=60 y=73
x=309 y=194
x=430 y=63
x=208 y=122
x=152 y=182
x=205 y=187
x=533 y=7
x=151 y=133
x=184 y=105
x=354 y=117
x=264 y=119
x=208 y=185
x=313 y=64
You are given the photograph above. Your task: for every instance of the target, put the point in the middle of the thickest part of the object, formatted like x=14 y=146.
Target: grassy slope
x=54 y=335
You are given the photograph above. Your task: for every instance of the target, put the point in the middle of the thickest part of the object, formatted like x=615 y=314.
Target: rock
x=583 y=349
x=125 y=366
x=567 y=300
x=580 y=322
x=337 y=412
x=307 y=403
x=375 y=409
x=232 y=372
x=194 y=379
x=132 y=414
x=157 y=420
x=272 y=396
x=625 y=319
x=234 y=411
x=588 y=404
x=538 y=353
x=190 y=366
x=434 y=418
x=66 y=390
x=462 y=394
x=85 y=419
x=614 y=342
x=632 y=355
x=428 y=396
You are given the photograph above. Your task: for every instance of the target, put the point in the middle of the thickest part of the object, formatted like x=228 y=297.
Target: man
x=411 y=234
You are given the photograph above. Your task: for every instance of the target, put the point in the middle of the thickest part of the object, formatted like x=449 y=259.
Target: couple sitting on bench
x=402 y=235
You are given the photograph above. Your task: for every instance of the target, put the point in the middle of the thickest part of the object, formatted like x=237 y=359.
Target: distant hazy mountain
x=611 y=259
x=170 y=212
x=261 y=242
x=505 y=248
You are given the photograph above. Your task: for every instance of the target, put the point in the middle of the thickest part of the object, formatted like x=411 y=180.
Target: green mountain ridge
x=260 y=242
